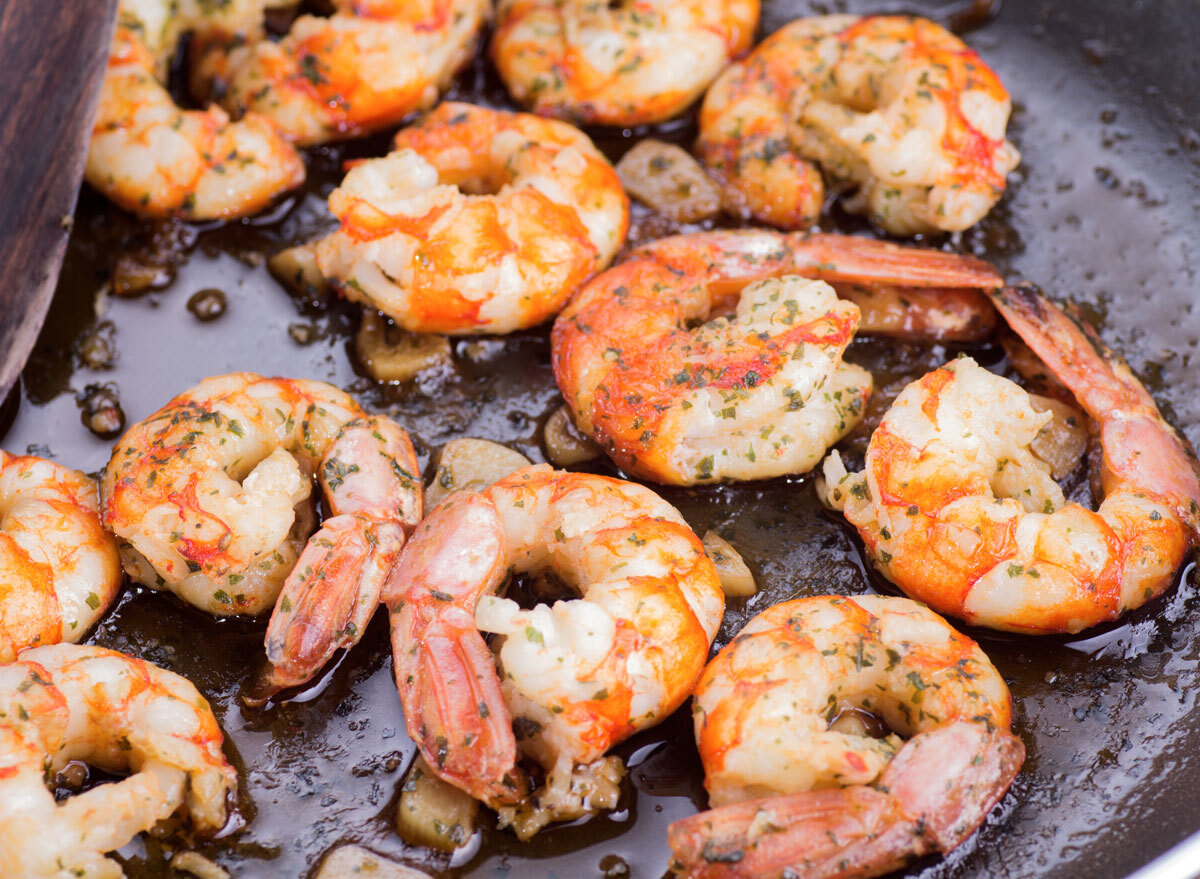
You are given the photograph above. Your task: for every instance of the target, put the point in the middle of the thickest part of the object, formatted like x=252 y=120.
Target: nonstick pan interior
x=1102 y=211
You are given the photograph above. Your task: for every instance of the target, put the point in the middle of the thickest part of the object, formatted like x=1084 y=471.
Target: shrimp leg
x=933 y=795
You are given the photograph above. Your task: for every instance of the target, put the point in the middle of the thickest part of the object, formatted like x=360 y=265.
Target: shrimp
x=69 y=702
x=59 y=568
x=209 y=498
x=799 y=789
x=756 y=395
x=574 y=679
x=153 y=158
x=956 y=510
x=362 y=69
x=897 y=107
x=415 y=245
x=617 y=63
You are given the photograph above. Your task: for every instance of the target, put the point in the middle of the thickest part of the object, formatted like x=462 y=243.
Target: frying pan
x=1102 y=211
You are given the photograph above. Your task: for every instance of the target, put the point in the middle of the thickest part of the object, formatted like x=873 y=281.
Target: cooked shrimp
x=360 y=70
x=771 y=715
x=210 y=498
x=617 y=63
x=59 y=568
x=415 y=245
x=575 y=678
x=957 y=510
x=896 y=106
x=68 y=702
x=759 y=394
x=804 y=662
x=153 y=158
x=933 y=795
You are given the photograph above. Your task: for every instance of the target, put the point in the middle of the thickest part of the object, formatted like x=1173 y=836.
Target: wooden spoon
x=55 y=56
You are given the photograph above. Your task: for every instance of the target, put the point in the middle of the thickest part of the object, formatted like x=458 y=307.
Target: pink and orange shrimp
x=574 y=678
x=617 y=64
x=765 y=391
x=68 y=702
x=209 y=497
x=59 y=568
x=957 y=510
x=360 y=70
x=155 y=159
x=896 y=106
x=799 y=786
x=480 y=221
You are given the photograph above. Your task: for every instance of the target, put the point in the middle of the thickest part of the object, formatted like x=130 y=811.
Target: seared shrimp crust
x=896 y=106
x=362 y=69
x=422 y=240
x=798 y=665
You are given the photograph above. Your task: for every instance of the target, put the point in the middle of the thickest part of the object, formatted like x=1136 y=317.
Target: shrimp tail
x=849 y=258
x=850 y=832
x=1133 y=431
x=933 y=795
x=948 y=779
x=445 y=673
x=330 y=596
x=455 y=710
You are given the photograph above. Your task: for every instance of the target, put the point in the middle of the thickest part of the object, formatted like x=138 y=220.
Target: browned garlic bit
x=433 y=812
x=736 y=579
x=583 y=790
x=666 y=178
x=207 y=304
x=296 y=268
x=356 y=862
x=392 y=354
x=152 y=265
x=1064 y=439
x=198 y=865
x=470 y=465
x=565 y=445
x=100 y=410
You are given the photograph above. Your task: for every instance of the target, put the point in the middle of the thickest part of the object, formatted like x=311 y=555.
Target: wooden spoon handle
x=55 y=56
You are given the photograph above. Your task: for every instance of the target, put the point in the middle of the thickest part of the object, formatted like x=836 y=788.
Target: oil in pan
x=1099 y=212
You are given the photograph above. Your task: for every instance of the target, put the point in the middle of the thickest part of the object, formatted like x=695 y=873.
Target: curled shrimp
x=362 y=69
x=617 y=64
x=955 y=508
x=155 y=159
x=59 y=568
x=759 y=394
x=209 y=497
x=69 y=702
x=415 y=244
x=574 y=678
x=896 y=106
x=799 y=788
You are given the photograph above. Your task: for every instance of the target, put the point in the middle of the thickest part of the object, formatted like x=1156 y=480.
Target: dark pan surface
x=1103 y=211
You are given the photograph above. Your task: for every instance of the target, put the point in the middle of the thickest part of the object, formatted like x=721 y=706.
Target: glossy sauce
x=1100 y=211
